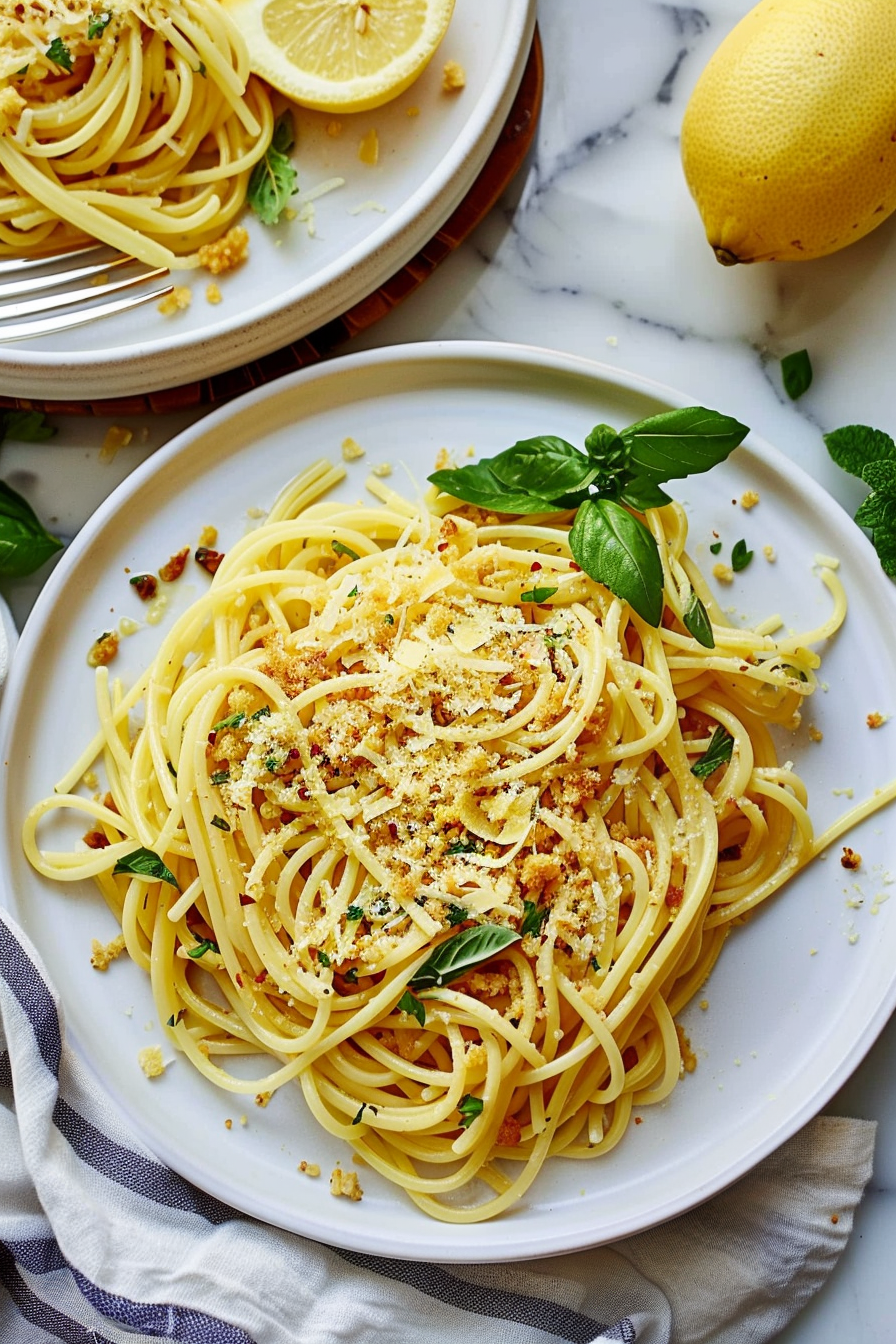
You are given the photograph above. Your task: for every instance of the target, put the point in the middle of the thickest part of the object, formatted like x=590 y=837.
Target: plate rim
x=523 y=1242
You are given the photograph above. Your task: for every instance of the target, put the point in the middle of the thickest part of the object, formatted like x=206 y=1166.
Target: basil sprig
x=462 y=953
x=619 y=471
x=146 y=863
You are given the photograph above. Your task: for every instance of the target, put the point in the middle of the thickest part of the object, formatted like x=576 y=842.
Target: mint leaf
x=717 y=753
x=740 y=556
x=546 y=466
x=409 y=1003
x=678 y=443
x=878 y=511
x=697 y=623
x=616 y=549
x=853 y=446
x=796 y=373
x=273 y=179
x=461 y=953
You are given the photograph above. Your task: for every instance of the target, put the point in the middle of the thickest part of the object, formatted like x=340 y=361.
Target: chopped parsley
x=220 y=777
x=205 y=945
x=537 y=594
x=341 y=549
x=221 y=824
x=98 y=23
x=59 y=54
x=533 y=918
x=469 y=1108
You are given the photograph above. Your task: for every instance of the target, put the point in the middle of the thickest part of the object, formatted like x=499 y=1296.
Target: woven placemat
x=503 y=163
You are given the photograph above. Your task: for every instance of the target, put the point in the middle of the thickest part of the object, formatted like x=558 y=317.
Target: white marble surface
x=598 y=249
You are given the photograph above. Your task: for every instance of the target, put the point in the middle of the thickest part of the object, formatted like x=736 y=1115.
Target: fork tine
x=16 y=265
x=48 y=326
x=15 y=289
x=49 y=302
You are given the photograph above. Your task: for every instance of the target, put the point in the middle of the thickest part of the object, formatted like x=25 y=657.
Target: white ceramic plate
x=799 y=994
x=365 y=231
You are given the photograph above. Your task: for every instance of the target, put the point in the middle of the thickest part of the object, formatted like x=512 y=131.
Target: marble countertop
x=597 y=249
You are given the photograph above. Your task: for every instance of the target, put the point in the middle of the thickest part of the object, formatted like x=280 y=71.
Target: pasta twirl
x=427 y=817
x=135 y=124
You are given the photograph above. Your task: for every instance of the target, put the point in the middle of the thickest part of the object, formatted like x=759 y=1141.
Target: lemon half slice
x=341 y=55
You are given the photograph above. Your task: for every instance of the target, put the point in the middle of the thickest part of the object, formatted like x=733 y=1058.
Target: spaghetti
x=137 y=125
x=427 y=816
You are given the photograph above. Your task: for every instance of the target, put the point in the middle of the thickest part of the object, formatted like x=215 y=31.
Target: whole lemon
x=789 y=139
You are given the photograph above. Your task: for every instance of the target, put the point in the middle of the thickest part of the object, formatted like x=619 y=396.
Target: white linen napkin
x=99 y=1242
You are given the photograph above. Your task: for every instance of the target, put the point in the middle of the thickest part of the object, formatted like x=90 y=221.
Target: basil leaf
x=697 y=623
x=409 y=1003
x=537 y=594
x=203 y=946
x=546 y=466
x=25 y=426
x=617 y=550
x=98 y=23
x=24 y=543
x=533 y=918
x=642 y=495
x=340 y=549
x=607 y=448
x=59 y=54
x=740 y=556
x=461 y=953
x=273 y=179
x=232 y=721
x=146 y=863
x=678 y=443
x=476 y=483
x=469 y=1107
x=717 y=753
x=796 y=373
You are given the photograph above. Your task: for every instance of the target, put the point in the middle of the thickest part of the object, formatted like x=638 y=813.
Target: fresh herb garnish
x=354 y=591
x=537 y=594
x=619 y=471
x=204 y=945
x=533 y=918
x=221 y=824
x=796 y=372
x=260 y=713
x=351 y=976
x=870 y=454
x=232 y=721
x=365 y=1106
x=340 y=549
x=59 y=54
x=273 y=178
x=389 y=618
x=176 y=1017
x=409 y=1003
x=323 y=958
x=740 y=556
x=354 y=913
x=717 y=753
x=456 y=914
x=24 y=542
x=469 y=1108
x=715 y=547
x=98 y=23
x=461 y=953
x=461 y=847
x=220 y=777
x=697 y=623
x=145 y=863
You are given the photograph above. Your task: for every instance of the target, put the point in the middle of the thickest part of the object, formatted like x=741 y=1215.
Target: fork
x=50 y=284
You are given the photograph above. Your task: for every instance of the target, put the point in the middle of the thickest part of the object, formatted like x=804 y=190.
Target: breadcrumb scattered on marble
x=815 y=734
x=351 y=450
x=454 y=77
x=178 y=301
x=150 y=1061
x=103 y=954
x=345 y=1184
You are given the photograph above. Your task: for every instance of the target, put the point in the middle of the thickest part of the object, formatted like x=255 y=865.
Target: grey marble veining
x=597 y=249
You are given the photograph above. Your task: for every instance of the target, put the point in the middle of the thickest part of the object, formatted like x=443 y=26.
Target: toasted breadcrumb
x=150 y=1061
x=724 y=573
x=12 y=104
x=345 y=1184
x=103 y=954
x=749 y=499
x=770 y=554
x=351 y=450
x=178 y=301
x=174 y=566
x=850 y=859
x=454 y=77
x=381 y=469
x=876 y=720
x=225 y=254
x=212 y=293
x=369 y=148
x=208 y=536
x=116 y=436
x=228 y=1123
x=443 y=459
x=334 y=129
x=103 y=650
x=262 y=1098
x=309 y=1168
x=412 y=111
x=815 y=734
x=688 y=1058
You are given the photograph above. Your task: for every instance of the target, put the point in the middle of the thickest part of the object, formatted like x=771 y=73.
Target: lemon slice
x=341 y=55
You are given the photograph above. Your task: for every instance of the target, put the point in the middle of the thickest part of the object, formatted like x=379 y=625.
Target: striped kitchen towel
x=101 y=1242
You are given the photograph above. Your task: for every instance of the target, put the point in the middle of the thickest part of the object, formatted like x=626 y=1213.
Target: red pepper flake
x=145 y=586
x=239 y=979
x=246 y=900
x=674 y=897
x=442 y=546
x=208 y=559
x=212 y=739
x=261 y=977
x=304 y=795
x=293 y=754
x=534 y=566
x=576 y=568
x=315 y=750
x=96 y=840
x=393 y=830
x=175 y=566
x=286 y=817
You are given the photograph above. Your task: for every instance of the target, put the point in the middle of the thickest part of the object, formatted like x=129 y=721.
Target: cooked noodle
x=386 y=728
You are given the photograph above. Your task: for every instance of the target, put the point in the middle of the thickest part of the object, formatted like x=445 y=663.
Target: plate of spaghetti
x=378 y=849
x=141 y=126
